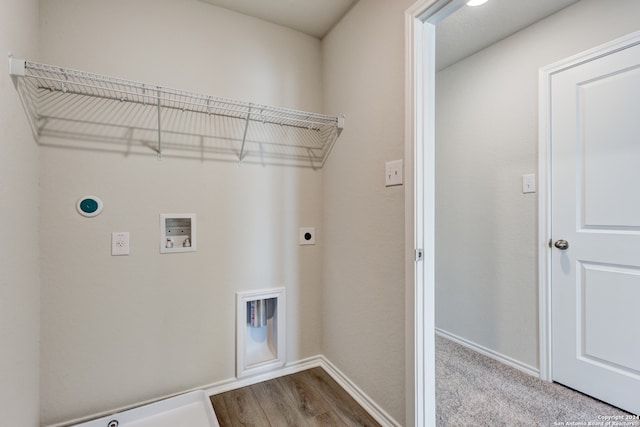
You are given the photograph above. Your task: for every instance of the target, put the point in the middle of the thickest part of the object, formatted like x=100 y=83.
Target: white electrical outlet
x=120 y=243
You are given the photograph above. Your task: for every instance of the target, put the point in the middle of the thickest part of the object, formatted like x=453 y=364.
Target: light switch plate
x=393 y=173
x=529 y=183
x=120 y=243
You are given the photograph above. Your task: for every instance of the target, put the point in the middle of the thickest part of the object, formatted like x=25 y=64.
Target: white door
x=595 y=209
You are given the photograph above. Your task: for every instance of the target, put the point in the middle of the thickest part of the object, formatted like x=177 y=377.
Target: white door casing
x=590 y=154
x=420 y=22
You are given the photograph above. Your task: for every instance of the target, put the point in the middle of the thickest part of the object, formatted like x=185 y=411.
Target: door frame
x=420 y=22
x=544 y=186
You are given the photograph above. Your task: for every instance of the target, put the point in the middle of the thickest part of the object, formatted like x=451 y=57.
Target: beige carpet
x=475 y=390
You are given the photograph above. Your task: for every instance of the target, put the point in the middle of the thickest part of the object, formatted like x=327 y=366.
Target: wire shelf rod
x=277 y=118
x=241 y=114
x=184 y=134
x=141 y=87
x=69 y=105
x=252 y=117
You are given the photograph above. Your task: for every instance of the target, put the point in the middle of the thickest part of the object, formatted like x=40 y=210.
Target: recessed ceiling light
x=476 y=2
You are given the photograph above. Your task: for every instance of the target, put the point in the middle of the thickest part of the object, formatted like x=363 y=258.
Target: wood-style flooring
x=308 y=398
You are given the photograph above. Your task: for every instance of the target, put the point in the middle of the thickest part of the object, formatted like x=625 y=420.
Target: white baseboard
x=287 y=369
x=365 y=401
x=379 y=414
x=528 y=369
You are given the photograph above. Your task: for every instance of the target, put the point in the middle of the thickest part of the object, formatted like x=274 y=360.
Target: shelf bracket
x=244 y=135
x=159 y=124
x=17 y=67
x=340 y=126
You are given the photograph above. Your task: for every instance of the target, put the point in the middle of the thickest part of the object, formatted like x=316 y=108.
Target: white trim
x=410 y=246
x=544 y=226
x=420 y=402
x=509 y=361
x=211 y=389
x=290 y=368
x=544 y=176
x=368 y=404
x=380 y=415
x=420 y=21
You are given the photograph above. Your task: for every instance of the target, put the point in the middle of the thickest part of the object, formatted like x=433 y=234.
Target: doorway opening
x=423 y=20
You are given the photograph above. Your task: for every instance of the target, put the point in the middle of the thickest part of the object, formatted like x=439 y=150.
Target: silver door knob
x=563 y=245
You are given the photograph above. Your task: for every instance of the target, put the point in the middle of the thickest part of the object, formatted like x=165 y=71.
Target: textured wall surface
x=364 y=314
x=120 y=330
x=19 y=281
x=486 y=131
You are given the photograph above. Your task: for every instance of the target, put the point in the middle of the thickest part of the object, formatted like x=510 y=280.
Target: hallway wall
x=486 y=133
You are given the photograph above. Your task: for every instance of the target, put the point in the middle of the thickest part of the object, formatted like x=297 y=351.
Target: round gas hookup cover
x=89 y=206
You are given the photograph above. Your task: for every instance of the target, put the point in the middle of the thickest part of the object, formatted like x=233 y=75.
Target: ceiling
x=472 y=29
x=467 y=31
x=312 y=17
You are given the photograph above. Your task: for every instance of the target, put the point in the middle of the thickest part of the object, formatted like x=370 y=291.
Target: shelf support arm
x=244 y=136
x=159 y=124
x=340 y=125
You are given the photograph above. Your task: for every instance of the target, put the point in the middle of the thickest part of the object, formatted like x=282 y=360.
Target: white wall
x=120 y=330
x=363 y=321
x=19 y=282
x=486 y=272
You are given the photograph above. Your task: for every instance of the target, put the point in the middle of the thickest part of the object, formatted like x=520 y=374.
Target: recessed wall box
x=260 y=331
x=177 y=233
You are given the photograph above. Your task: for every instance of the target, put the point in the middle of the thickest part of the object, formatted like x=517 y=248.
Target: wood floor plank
x=327 y=419
x=306 y=399
x=243 y=409
x=341 y=402
x=276 y=402
x=220 y=408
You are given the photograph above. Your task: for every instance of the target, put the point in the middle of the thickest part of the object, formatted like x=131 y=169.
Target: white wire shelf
x=84 y=110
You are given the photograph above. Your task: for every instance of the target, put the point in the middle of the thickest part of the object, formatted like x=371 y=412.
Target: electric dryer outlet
x=307 y=236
